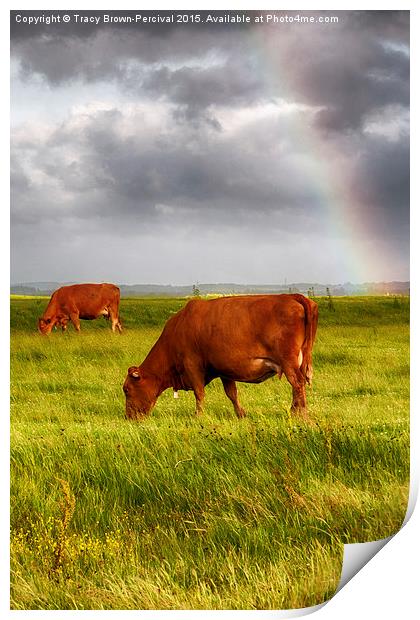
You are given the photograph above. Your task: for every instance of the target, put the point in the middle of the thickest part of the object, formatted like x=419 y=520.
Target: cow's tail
x=117 y=297
x=311 y=324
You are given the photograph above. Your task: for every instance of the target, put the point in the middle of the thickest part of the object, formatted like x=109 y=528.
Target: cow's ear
x=134 y=372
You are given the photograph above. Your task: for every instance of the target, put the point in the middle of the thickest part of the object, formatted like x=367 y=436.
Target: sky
x=210 y=152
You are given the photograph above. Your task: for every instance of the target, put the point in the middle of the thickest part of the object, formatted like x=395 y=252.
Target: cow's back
x=247 y=325
x=88 y=299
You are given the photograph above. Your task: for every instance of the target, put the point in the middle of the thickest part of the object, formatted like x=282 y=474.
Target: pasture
x=185 y=512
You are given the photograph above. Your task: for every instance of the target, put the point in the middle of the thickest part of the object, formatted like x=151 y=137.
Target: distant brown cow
x=81 y=301
x=246 y=338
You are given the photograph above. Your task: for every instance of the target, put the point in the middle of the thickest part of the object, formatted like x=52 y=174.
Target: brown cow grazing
x=81 y=301
x=246 y=338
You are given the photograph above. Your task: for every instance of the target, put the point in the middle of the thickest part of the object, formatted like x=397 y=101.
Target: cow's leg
x=194 y=377
x=297 y=381
x=199 y=399
x=115 y=320
x=74 y=318
x=118 y=325
x=232 y=393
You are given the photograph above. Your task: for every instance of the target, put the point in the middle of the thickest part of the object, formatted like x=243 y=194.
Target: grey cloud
x=349 y=73
x=391 y=24
x=348 y=69
x=137 y=172
x=19 y=181
x=209 y=178
x=355 y=95
x=197 y=88
x=381 y=180
x=64 y=54
x=204 y=163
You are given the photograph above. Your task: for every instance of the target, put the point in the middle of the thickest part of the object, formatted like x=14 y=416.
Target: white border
x=387 y=587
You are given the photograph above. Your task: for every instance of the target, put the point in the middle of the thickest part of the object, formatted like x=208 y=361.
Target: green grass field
x=180 y=512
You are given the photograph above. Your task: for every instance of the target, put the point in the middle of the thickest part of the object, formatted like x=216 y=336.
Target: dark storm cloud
x=351 y=81
x=348 y=69
x=137 y=172
x=381 y=178
x=160 y=175
x=197 y=88
x=392 y=25
x=215 y=128
x=68 y=52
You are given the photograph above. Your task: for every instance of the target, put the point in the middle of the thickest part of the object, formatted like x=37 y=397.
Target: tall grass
x=181 y=512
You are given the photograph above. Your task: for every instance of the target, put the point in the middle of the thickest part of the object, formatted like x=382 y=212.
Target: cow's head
x=140 y=392
x=45 y=325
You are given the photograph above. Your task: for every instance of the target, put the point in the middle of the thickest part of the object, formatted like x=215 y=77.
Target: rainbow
x=346 y=220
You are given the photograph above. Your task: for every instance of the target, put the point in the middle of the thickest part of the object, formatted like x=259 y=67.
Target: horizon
x=224 y=283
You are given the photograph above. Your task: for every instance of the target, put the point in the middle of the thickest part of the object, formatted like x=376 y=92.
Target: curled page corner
x=413 y=495
x=305 y=611
x=282 y=613
x=356 y=555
